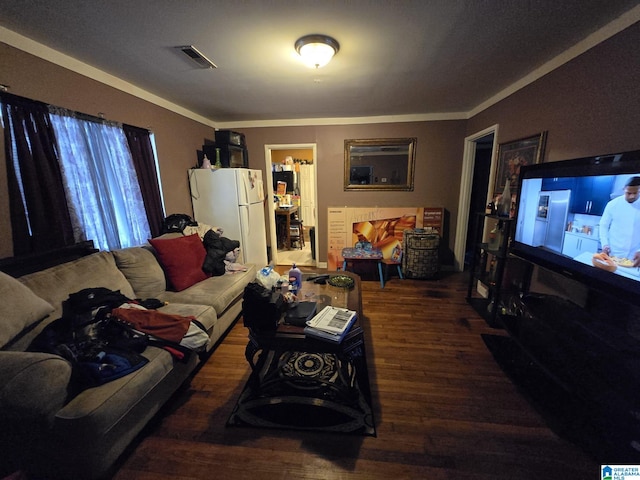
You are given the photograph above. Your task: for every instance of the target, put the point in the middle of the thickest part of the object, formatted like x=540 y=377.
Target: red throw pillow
x=182 y=259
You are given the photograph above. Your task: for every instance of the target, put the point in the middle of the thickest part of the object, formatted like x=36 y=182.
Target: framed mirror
x=379 y=164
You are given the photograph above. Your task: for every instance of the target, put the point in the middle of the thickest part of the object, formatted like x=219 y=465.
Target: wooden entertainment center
x=573 y=351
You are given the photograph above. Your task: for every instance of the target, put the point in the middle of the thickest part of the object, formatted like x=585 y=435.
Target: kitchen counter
x=630 y=272
x=583 y=235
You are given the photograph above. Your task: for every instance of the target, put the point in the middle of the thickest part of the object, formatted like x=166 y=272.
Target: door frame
x=466 y=183
x=268 y=148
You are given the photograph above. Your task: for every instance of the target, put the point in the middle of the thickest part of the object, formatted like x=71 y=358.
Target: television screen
x=581 y=218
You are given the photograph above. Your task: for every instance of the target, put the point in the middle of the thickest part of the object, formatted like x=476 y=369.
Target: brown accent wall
x=589 y=106
x=177 y=138
x=279 y=156
x=437 y=171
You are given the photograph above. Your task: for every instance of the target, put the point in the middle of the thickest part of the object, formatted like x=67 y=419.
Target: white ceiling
x=397 y=58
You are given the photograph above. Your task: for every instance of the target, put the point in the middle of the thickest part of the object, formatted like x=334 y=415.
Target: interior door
x=307 y=196
x=274 y=152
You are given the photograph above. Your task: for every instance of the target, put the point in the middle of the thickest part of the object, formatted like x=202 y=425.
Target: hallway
x=301 y=257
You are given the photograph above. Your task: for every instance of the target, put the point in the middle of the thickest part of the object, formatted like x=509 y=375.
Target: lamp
x=317 y=50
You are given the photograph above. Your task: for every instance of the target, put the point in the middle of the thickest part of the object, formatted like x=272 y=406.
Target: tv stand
x=581 y=370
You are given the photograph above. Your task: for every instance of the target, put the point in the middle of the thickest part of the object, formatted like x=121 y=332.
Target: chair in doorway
x=296 y=232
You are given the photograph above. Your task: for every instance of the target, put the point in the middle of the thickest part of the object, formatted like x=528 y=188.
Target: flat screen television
x=559 y=210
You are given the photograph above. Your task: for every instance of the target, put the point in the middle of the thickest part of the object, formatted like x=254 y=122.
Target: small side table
x=354 y=255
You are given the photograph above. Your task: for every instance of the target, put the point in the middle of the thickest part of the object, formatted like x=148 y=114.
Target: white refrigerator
x=233 y=199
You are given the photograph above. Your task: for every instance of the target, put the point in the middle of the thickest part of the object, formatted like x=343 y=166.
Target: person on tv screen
x=620 y=224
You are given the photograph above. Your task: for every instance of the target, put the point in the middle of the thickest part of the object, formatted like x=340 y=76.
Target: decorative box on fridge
x=420 y=257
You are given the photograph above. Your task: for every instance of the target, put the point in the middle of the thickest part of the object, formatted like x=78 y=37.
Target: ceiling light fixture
x=317 y=50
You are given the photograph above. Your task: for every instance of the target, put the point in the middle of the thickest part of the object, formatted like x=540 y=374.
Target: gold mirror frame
x=379 y=164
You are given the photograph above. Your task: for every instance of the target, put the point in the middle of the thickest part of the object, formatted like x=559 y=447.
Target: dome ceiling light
x=316 y=50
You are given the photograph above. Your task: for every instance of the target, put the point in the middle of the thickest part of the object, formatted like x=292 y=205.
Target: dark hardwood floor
x=444 y=408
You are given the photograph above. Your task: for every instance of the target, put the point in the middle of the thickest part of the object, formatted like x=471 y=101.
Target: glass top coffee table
x=296 y=379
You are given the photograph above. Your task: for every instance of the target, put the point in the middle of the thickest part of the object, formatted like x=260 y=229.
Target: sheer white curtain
x=100 y=182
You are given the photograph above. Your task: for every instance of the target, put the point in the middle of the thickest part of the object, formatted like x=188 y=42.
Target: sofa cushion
x=142 y=270
x=182 y=259
x=218 y=292
x=205 y=314
x=56 y=283
x=23 y=392
x=19 y=308
x=95 y=411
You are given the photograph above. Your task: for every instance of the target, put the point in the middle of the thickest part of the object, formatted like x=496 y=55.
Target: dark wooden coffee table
x=285 y=357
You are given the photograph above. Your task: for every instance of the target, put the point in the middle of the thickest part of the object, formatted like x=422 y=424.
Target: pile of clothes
x=103 y=334
x=222 y=253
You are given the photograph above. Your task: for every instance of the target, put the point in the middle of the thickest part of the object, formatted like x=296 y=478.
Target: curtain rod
x=11 y=98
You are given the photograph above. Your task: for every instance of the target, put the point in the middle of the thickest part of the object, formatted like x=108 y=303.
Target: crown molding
x=300 y=122
x=49 y=54
x=42 y=51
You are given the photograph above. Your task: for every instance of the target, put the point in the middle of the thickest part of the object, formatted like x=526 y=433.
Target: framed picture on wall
x=515 y=154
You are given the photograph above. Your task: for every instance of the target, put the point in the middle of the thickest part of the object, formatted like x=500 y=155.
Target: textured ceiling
x=425 y=57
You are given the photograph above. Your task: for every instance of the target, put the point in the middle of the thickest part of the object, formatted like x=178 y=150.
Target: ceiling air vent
x=194 y=54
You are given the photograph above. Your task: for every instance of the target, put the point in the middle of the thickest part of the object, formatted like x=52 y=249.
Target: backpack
x=89 y=306
x=261 y=307
x=177 y=222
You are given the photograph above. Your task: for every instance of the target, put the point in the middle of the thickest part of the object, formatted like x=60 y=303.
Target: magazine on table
x=331 y=324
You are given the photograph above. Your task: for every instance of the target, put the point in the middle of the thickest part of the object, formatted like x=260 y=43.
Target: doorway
x=296 y=166
x=477 y=170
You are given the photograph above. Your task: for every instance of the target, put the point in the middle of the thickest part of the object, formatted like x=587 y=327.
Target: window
x=73 y=177
x=100 y=183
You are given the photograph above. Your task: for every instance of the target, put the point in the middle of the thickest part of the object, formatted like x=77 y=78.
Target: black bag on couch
x=177 y=222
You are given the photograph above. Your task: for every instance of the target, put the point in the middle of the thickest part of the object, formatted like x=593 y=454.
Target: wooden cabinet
x=574 y=244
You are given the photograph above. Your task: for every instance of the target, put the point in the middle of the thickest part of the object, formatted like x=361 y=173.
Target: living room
x=588 y=104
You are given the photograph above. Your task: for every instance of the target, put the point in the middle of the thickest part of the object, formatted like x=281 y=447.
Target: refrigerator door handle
x=248 y=221
x=245 y=188
x=246 y=229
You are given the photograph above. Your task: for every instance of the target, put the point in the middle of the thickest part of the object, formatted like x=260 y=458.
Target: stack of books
x=331 y=324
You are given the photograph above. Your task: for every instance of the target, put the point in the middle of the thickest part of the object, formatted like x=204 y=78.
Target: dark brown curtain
x=144 y=162
x=45 y=223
